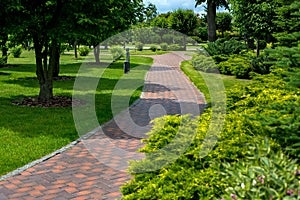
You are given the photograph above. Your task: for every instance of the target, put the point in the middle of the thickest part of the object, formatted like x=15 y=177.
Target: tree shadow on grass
x=4 y=74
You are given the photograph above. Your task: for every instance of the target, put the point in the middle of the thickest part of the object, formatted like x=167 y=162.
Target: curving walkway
x=95 y=167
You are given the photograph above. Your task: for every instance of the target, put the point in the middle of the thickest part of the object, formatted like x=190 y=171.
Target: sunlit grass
x=28 y=133
x=197 y=78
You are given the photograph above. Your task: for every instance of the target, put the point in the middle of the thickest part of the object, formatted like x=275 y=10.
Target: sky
x=164 y=6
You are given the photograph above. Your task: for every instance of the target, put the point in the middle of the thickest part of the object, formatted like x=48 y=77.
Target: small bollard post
x=127 y=62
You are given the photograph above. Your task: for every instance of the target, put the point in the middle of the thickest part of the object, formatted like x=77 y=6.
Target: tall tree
x=212 y=6
x=255 y=18
x=287 y=22
x=160 y=21
x=183 y=21
x=150 y=12
x=49 y=21
x=223 y=22
x=105 y=19
x=6 y=27
x=287 y=52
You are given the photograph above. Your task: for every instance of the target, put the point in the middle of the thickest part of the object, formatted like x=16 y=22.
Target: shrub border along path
x=74 y=173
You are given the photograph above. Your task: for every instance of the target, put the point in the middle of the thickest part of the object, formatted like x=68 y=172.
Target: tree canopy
x=223 y=22
x=254 y=18
x=50 y=22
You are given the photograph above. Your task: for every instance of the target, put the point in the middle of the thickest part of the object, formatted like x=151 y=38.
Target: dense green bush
x=84 y=51
x=241 y=70
x=260 y=64
x=251 y=43
x=65 y=47
x=175 y=47
x=255 y=156
x=16 y=51
x=202 y=33
x=204 y=63
x=195 y=39
x=262 y=44
x=153 y=48
x=238 y=66
x=139 y=46
x=2 y=61
x=164 y=46
x=211 y=177
x=155 y=38
x=220 y=58
x=222 y=46
x=244 y=163
x=117 y=52
x=241 y=160
x=168 y=38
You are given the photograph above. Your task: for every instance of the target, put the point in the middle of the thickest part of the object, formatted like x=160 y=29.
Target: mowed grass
x=28 y=133
x=197 y=78
x=148 y=52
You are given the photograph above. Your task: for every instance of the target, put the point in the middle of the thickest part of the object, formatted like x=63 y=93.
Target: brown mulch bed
x=56 y=102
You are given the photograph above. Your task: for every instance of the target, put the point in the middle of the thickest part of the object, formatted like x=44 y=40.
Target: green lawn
x=196 y=77
x=147 y=52
x=28 y=133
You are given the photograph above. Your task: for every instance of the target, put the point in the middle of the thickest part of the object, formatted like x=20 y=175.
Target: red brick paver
x=95 y=168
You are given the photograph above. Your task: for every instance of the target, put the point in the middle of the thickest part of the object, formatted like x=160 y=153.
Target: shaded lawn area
x=28 y=133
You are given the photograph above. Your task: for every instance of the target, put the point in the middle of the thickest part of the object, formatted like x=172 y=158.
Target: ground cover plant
x=254 y=157
x=257 y=153
x=28 y=133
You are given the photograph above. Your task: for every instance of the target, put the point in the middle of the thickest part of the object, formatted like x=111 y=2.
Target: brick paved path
x=95 y=167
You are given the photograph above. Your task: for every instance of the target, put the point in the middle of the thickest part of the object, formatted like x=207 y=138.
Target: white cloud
x=164 y=6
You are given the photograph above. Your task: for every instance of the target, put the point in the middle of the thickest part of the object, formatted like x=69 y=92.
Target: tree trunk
x=4 y=48
x=97 y=53
x=211 y=20
x=184 y=42
x=75 y=49
x=44 y=71
x=257 y=48
x=54 y=57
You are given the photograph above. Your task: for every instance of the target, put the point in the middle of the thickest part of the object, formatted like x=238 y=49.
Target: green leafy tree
x=49 y=22
x=161 y=21
x=105 y=19
x=223 y=22
x=183 y=21
x=287 y=22
x=254 y=18
x=150 y=12
x=7 y=11
x=286 y=54
x=212 y=6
